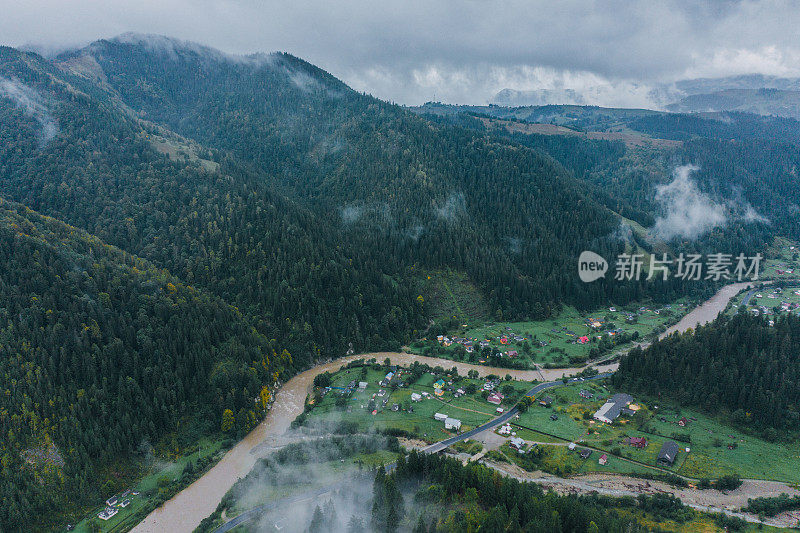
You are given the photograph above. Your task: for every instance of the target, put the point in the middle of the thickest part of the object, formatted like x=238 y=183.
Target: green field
x=556 y=342
x=772 y=301
x=715 y=448
x=157 y=484
x=782 y=260
x=472 y=409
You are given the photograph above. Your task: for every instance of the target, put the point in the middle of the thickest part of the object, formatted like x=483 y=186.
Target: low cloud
x=687 y=212
x=32 y=104
x=751 y=215
x=454 y=206
x=351 y=213
x=623 y=233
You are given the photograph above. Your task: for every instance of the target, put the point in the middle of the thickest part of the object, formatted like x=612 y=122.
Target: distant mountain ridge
x=752 y=93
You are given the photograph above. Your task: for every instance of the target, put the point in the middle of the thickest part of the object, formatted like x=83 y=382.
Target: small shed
x=440 y=417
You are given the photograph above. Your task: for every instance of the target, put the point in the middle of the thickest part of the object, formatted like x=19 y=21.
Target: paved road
x=747 y=297
x=433 y=448
x=505 y=417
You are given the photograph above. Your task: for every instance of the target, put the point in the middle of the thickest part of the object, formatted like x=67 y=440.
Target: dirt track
x=705 y=500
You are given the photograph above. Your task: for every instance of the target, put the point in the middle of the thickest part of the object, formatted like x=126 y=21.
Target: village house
x=610 y=410
x=636 y=442
x=440 y=417
x=107 y=513
x=452 y=423
x=585 y=453
x=586 y=395
x=683 y=422
x=415 y=397
x=603 y=460
x=571 y=446
x=495 y=398
x=546 y=401
x=668 y=453
x=518 y=444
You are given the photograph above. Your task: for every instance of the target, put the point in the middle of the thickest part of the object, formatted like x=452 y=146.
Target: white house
x=613 y=408
x=107 y=513
x=415 y=397
x=518 y=444
x=452 y=423
x=362 y=385
x=440 y=417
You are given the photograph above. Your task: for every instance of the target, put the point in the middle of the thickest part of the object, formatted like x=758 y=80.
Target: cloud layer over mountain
x=609 y=52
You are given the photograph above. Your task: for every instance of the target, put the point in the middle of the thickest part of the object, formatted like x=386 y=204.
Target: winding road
x=183 y=512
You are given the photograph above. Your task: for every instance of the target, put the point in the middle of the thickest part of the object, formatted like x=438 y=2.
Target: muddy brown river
x=185 y=511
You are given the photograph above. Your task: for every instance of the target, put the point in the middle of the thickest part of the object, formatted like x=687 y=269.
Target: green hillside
x=100 y=353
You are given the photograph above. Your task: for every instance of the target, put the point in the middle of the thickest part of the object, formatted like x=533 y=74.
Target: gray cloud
x=688 y=212
x=31 y=102
x=453 y=207
x=462 y=52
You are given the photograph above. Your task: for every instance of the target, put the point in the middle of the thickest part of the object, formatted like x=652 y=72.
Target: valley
x=222 y=270
x=200 y=499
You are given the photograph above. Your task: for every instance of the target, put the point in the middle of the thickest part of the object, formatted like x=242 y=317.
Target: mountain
x=678 y=96
x=359 y=164
x=777 y=102
x=178 y=221
x=207 y=217
x=100 y=354
x=745 y=81
x=745 y=164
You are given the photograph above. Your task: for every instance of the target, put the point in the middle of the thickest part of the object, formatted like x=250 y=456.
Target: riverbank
x=185 y=511
x=708 y=500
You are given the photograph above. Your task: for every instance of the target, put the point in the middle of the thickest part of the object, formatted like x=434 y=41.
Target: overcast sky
x=460 y=52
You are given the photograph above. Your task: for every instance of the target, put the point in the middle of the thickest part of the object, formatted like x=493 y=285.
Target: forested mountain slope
x=363 y=192
x=416 y=193
x=739 y=366
x=745 y=165
x=222 y=228
x=101 y=352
